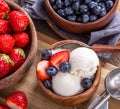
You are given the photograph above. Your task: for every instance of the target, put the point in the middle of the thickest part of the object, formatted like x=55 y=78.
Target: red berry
x=6 y=43
x=59 y=57
x=18 y=57
x=3 y=106
x=17 y=100
x=4 y=7
x=41 y=70
x=5 y=64
x=21 y=39
x=4 y=27
x=18 y=21
x=2 y=15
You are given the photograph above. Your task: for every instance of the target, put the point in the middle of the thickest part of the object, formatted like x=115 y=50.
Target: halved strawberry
x=41 y=70
x=3 y=106
x=17 y=100
x=59 y=57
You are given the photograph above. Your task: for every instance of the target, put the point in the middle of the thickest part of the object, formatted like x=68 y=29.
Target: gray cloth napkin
x=108 y=35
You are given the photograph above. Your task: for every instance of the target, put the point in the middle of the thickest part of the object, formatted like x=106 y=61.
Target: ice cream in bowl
x=68 y=72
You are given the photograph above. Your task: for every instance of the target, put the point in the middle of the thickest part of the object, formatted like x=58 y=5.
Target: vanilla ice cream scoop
x=84 y=62
x=65 y=84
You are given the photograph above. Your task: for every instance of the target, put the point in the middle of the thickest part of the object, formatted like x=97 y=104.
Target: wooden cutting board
x=30 y=86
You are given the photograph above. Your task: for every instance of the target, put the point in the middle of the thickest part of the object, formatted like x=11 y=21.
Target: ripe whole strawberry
x=18 y=57
x=4 y=7
x=6 y=43
x=5 y=64
x=4 y=27
x=21 y=39
x=3 y=106
x=17 y=100
x=18 y=21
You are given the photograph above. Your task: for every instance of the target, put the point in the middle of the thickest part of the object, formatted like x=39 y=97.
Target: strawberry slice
x=59 y=57
x=17 y=100
x=3 y=107
x=41 y=70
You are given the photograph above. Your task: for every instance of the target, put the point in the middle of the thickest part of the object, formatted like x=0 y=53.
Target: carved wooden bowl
x=74 y=27
x=76 y=99
x=30 y=51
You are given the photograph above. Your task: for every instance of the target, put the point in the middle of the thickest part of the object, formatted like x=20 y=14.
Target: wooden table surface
x=28 y=84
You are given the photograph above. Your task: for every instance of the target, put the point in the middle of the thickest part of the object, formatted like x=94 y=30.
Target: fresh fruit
x=48 y=84
x=52 y=71
x=17 y=100
x=3 y=106
x=5 y=63
x=6 y=43
x=46 y=54
x=59 y=57
x=86 y=83
x=41 y=70
x=21 y=39
x=17 y=55
x=2 y=15
x=73 y=10
x=4 y=7
x=18 y=21
x=64 y=66
x=4 y=27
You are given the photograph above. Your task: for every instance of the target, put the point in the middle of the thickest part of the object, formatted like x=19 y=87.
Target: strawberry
x=17 y=100
x=41 y=70
x=21 y=39
x=4 y=7
x=5 y=63
x=6 y=43
x=18 y=57
x=18 y=21
x=2 y=15
x=59 y=57
x=3 y=107
x=4 y=27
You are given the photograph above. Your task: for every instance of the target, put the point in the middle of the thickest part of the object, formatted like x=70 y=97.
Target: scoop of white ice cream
x=65 y=84
x=84 y=62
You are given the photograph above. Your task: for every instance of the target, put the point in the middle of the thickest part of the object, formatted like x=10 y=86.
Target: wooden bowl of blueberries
x=81 y=16
x=18 y=43
x=68 y=75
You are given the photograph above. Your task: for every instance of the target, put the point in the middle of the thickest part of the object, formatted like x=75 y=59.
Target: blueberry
x=97 y=10
x=48 y=84
x=61 y=12
x=46 y=54
x=72 y=18
x=52 y=2
x=87 y=1
x=102 y=5
x=67 y=3
x=103 y=12
x=86 y=83
x=64 y=66
x=55 y=7
x=109 y=4
x=96 y=1
x=76 y=6
x=79 y=19
x=59 y=4
x=52 y=71
x=92 y=4
x=85 y=18
x=93 y=18
x=83 y=8
x=68 y=11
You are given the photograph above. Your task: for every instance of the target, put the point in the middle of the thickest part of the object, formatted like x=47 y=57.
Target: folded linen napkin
x=108 y=35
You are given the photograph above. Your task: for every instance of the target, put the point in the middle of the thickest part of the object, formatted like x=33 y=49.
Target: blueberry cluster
x=83 y=11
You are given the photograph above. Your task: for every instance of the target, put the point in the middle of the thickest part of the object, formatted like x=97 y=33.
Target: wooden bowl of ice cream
x=78 y=97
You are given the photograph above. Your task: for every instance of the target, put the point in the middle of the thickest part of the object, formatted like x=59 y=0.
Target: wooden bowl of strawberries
x=18 y=43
